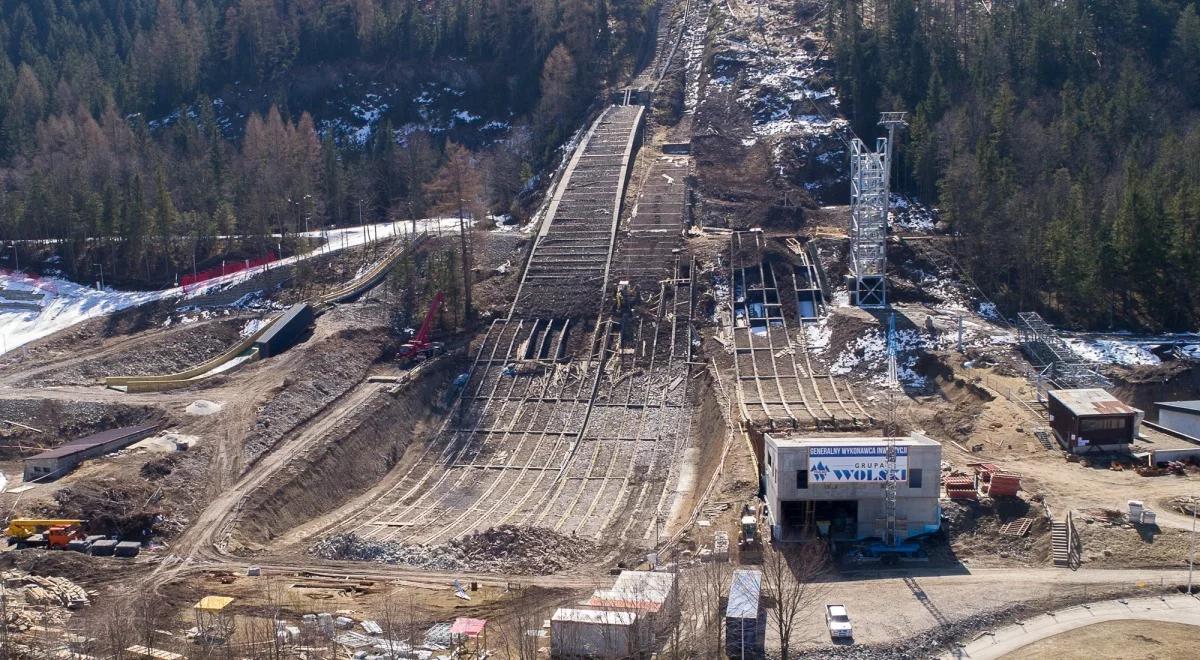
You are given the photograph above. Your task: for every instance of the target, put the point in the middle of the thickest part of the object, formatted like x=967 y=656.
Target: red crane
x=419 y=347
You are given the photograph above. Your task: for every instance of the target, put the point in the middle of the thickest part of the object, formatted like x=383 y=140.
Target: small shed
x=465 y=631
x=588 y=633
x=653 y=586
x=54 y=463
x=1088 y=420
x=214 y=621
x=1180 y=417
x=745 y=618
x=595 y=633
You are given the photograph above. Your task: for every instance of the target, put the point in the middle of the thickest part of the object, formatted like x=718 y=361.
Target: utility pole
x=468 y=312
x=308 y=211
x=1192 y=553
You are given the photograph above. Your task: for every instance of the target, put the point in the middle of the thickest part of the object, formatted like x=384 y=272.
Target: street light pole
x=307 y=211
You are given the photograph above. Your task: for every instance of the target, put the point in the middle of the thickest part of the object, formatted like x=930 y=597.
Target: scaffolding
x=1055 y=364
x=870 y=193
x=890 y=537
x=868 y=223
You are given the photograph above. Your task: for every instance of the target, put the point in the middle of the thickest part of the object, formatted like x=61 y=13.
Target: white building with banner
x=833 y=486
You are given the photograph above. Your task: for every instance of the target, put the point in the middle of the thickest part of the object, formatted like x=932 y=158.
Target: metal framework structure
x=893 y=377
x=870 y=189
x=1054 y=361
x=890 y=537
x=868 y=223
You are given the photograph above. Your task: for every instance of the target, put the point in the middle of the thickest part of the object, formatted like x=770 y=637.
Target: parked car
x=838 y=621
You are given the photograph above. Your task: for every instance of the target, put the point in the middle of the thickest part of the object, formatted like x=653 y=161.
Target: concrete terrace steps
x=575 y=242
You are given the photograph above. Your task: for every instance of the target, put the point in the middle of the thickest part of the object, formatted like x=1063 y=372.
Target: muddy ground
x=359 y=452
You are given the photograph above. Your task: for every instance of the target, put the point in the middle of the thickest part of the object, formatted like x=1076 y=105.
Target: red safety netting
x=226 y=268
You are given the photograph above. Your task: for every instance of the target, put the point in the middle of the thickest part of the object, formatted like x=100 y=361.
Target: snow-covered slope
x=66 y=303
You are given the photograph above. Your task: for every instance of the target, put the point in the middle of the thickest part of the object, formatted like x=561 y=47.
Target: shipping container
x=286 y=331
x=745 y=618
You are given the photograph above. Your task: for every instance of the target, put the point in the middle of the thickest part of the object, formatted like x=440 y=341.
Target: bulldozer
x=749 y=540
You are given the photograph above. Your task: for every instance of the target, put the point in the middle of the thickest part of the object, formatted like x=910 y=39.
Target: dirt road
x=209 y=531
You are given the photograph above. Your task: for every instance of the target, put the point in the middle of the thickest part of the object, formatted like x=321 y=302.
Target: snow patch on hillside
x=1113 y=351
x=65 y=303
x=910 y=215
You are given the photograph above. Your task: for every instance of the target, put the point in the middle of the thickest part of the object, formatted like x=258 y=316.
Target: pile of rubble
x=922 y=645
x=46 y=590
x=505 y=549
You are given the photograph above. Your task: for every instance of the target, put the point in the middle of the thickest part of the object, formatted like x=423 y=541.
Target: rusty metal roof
x=1090 y=402
x=102 y=438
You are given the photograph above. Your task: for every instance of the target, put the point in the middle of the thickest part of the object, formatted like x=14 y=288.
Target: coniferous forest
x=1061 y=141
x=135 y=133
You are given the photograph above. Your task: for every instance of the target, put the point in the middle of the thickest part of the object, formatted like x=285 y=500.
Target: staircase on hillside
x=1059 y=544
x=1064 y=542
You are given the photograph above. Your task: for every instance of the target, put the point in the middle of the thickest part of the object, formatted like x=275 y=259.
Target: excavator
x=419 y=348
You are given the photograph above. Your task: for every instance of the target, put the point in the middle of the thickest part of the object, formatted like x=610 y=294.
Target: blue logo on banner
x=819 y=472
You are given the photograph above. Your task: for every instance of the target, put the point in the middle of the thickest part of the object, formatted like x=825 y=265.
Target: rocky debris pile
x=1184 y=504
x=46 y=590
x=974 y=530
x=57 y=421
x=326 y=371
x=199 y=340
x=202 y=407
x=505 y=549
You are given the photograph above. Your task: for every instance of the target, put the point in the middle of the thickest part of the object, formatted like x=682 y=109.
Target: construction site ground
x=583 y=441
x=1128 y=640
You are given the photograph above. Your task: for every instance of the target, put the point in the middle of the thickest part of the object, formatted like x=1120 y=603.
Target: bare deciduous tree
x=707 y=585
x=792 y=578
x=514 y=633
x=458 y=188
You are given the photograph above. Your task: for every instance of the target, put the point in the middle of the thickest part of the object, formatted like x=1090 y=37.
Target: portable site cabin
x=745 y=618
x=593 y=633
x=1180 y=417
x=1092 y=420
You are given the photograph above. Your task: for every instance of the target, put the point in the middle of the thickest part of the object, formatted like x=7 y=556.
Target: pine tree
x=164 y=219
x=1184 y=57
